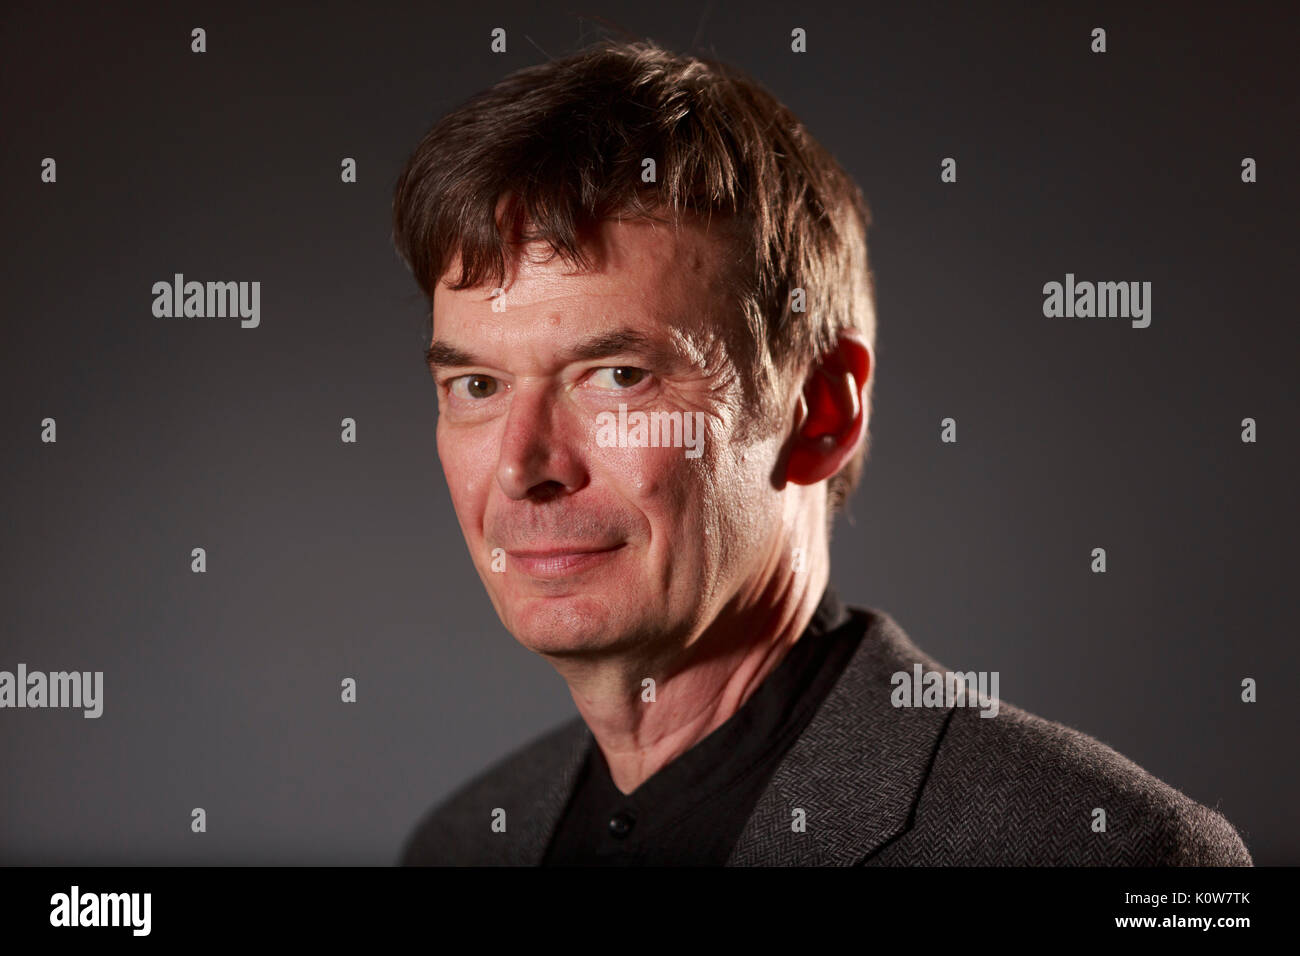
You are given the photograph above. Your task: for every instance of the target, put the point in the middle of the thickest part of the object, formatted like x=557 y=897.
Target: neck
x=699 y=682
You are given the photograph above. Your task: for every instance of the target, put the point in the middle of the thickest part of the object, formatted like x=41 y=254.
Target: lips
x=558 y=561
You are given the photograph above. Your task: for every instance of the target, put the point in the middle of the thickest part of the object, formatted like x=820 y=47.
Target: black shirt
x=691 y=812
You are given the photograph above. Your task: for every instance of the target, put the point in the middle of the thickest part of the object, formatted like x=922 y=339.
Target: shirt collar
x=743 y=741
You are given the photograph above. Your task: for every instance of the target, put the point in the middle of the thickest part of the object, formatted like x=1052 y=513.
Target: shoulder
x=454 y=831
x=1017 y=789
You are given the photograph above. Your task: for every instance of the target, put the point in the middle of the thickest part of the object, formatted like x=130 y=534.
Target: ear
x=832 y=414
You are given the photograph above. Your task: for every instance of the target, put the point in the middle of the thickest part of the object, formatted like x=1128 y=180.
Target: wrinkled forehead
x=677 y=281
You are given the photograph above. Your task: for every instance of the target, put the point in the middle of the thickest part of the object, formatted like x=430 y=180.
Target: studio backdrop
x=235 y=526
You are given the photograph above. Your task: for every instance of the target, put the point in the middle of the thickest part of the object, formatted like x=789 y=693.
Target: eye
x=474 y=386
x=622 y=376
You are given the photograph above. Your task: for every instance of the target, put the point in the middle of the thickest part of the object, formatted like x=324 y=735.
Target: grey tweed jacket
x=880 y=785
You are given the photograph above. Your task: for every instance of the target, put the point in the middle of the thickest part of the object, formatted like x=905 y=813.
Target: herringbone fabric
x=868 y=783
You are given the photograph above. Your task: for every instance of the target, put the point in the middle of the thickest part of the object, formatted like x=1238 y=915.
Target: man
x=653 y=342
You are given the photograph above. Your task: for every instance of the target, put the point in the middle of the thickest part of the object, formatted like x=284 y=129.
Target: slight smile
x=554 y=563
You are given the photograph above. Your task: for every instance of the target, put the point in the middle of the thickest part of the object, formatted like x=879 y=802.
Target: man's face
x=584 y=543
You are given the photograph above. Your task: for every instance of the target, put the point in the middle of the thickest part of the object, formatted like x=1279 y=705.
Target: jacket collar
x=551 y=793
x=856 y=771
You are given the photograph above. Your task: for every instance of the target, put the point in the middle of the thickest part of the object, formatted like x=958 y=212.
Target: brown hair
x=559 y=147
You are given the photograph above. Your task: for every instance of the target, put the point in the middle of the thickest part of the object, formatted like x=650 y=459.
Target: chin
x=561 y=625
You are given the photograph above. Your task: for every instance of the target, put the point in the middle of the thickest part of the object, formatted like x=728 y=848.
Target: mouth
x=557 y=562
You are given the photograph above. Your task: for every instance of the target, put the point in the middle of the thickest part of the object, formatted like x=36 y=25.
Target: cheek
x=683 y=499
x=467 y=468
x=743 y=505
x=659 y=480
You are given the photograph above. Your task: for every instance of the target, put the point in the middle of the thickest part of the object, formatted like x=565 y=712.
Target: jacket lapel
x=856 y=771
x=554 y=779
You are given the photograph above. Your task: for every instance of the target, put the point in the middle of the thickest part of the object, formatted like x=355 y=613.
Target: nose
x=539 y=455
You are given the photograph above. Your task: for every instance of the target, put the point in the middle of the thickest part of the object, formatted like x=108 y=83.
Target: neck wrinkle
x=719 y=671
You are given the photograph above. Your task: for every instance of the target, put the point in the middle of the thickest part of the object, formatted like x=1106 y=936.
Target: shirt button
x=620 y=824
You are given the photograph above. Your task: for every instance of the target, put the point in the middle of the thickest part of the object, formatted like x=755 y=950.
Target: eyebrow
x=443 y=355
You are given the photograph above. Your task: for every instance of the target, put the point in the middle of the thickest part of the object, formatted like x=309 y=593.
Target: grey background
x=329 y=560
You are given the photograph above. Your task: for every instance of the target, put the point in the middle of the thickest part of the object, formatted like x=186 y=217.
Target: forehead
x=650 y=274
